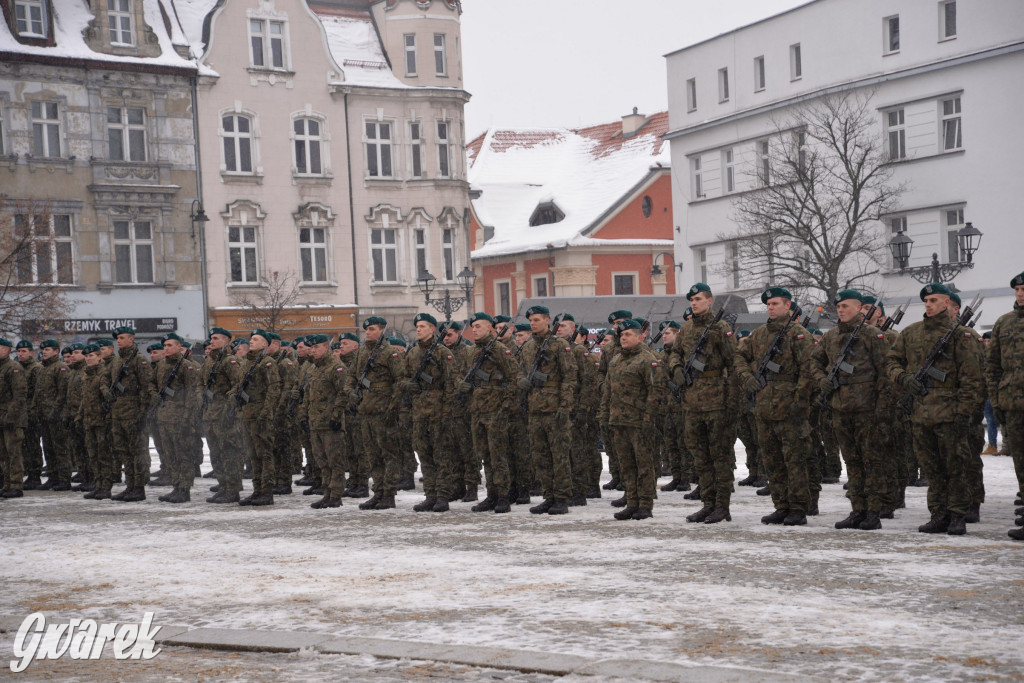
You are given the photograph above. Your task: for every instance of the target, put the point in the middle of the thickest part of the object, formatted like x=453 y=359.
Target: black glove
x=305 y=426
x=465 y=388
x=826 y=386
x=411 y=386
x=678 y=376
x=524 y=384
x=335 y=426
x=910 y=383
x=752 y=386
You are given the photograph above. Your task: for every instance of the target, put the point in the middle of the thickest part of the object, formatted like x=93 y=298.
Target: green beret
x=480 y=315
x=335 y=346
x=642 y=321
x=221 y=330
x=186 y=344
x=235 y=343
x=49 y=344
x=668 y=323
x=173 y=336
x=466 y=342
x=630 y=324
x=23 y=344
x=688 y=313
x=697 y=289
x=1017 y=281
x=374 y=320
x=502 y=318
x=580 y=329
x=955 y=298
x=66 y=349
x=773 y=292
x=845 y=294
x=538 y=310
x=99 y=342
x=743 y=333
x=396 y=341
x=314 y=339
x=567 y=316
x=124 y=329
x=350 y=336
x=6 y=342
x=620 y=314
x=155 y=346
x=77 y=346
x=90 y=348
x=273 y=336
x=261 y=333
x=934 y=288
x=425 y=318
x=522 y=327
x=455 y=325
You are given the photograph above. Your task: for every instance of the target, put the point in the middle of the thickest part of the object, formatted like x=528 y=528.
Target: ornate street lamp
x=447 y=304
x=656 y=269
x=968 y=239
x=199 y=217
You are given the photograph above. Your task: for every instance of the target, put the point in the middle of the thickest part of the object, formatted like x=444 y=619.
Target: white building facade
x=943 y=78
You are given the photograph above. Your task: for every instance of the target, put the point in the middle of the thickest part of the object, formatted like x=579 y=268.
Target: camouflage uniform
x=746 y=431
x=607 y=353
x=1005 y=378
x=51 y=392
x=323 y=408
x=31 y=450
x=75 y=436
x=892 y=437
x=550 y=402
x=95 y=429
x=220 y=373
x=520 y=461
x=488 y=410
x=13 y=420
x=587 y=429
x=284 y=424
x=349 y=435
x=710 y=430
x=854 y=406
x=629 y=406
x=176 y=409
x=940 y=419
x=583 y=409
x=781 y=409
x=974 y=440
x=431 y=406
x=128 y=434
x=458 y=433
x=257 y=415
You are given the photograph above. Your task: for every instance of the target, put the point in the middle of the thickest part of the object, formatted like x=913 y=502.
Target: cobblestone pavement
x=892 y=604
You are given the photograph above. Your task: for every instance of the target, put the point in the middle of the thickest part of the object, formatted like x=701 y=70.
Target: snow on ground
x=891 y=604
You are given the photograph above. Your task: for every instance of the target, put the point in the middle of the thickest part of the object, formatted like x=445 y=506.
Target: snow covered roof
x=583 y=172
x=192 y=15
x=355 y=46
x=72 y=17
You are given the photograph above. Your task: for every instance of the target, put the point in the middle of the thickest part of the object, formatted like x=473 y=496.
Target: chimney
x=632 y=123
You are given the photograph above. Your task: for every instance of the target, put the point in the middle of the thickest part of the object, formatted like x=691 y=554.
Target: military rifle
x=364 y=377
x=535 y=376
x=841 y=363
x=476 y=375
x=428 y=357
x=768 y=368
x=694 y=362
x=928 y=374
x=208 y=387
x=117 y=388
x=895 y=318
x=166 y=391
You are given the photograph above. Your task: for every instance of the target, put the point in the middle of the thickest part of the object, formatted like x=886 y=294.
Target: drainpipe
x=351 y=212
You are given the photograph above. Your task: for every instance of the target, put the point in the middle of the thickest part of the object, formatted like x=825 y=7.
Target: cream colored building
x=332 y=151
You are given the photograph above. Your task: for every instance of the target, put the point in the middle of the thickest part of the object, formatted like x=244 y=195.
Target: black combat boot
x=471 y=495
x=1017 y=512
x=853 y=520
x=180 y=496
x=577 y=500
x=31 y=484
x=167 y=496
x=611 y=485
x=223 y=497
x=593 y=491
x=795 y=518
x=1016 y=534
x=619 y=502
x=544 y=506
x=643 y=513
x=306 y=480
x=558 y=507
x=683 y=486
x=812 y=509
x=11 y=493
x=886 y=513
x=871 y=522
x=694 y=494
x=362 y=491
x=215 y=488
x=100 y=494
x=282 y=489
x=406 y=482
x=501 y=505
x=936 y=525
x=672 y=485
x=764 y=491
x=209 y=475
x=700 y=515
x=718 y=515
x=441 y=505
x=318 y=504
x=973 y=515
x=332 y=502
x=162 y=480
x=386 y=503
x=777 y=517
x=371 y=503
x=458 y=493
x=625 y=513
x=120 y=496
x=485 y=505
x=524 y=497
x=957 y=525
x=1019 y=500
x=264 y=498
x=61 y=486
x=135 y=495
x=1019 y=521
x=425 y=505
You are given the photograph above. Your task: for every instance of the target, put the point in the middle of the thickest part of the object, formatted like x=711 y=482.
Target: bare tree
x=812 y=223
x=267 y=307
x=35 y=265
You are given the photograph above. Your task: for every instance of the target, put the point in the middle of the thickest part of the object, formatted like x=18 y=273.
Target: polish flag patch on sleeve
x=799 y=336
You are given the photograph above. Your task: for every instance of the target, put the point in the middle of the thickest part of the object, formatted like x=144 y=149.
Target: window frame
x=243 y=246
x=732 y=258
x=946 y=119
x=759 y=73
x=691 y=94
x=305 y=141
x=448 y=254
x=542 y=280
x=723 y=85
x=897 y=129
x=441 y=55
x=125 y=128
x=237 y=136
x=634 y=281
x=384 y=247
x=114 y=14
x=503 y=296
x=266 y=49
x=134 y=243
x=421 y=252
x=701 y=258
x=410 y=55
x=58 y=263
x=891 y=34
x=952 y=246
x=444 y=148
x=416 y=144
x=697 y=177
x=729 y=170
x=316 y=249
x=763 y=152
x=44 y=18
x=796 y=62
x=944 y=22
x=378 y=158
x=45 y=123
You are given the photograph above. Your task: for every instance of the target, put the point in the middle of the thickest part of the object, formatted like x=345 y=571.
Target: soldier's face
x=1018 y=292
x=77 y=356
x=539 y=323
x=242 y=350
x=566 y=328
x=171 y=347
x=777 y=307
x=373 y=332
x=848 y=310
x=320 y=350
x=348 y=346
x=24 y=354
x=701 y=303
x=49 y=352
x=5 y=351
x=450 y=337
x=935 y=304
x=521 y=337
x=481 y=328
x=256 y=343
x=954 y=310
x=505 y=330
x=218 y=341
x=106 y=351
x=875 y=317
x=629 y=338
x=424 y=331
x=93 y=358
x=125 y=341
x=669 y=336
x=156 y=355
x=274 y=346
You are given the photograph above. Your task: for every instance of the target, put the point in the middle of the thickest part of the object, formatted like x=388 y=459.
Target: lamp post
x=447 y=304
x=656 y=269
x=967 y=239
x=199 y=216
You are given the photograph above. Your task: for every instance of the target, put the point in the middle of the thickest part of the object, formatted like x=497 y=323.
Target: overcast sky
x=571 y=63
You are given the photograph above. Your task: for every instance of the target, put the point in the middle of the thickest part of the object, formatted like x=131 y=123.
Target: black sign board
x=96 y=327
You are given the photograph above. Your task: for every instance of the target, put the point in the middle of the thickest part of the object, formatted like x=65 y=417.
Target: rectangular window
x=410 y=53
x=733 y=254
x=133 y=252
x=440 y=58
x=764 y=163
x=45 y=130
x=420 y=236
x=378 y=149
x=951 y=136
x=624 y=285
x=796 y=67
x=126 y=134
x=384 y=251
x=891 y=34
x=242 y=254
x=448 y=253
x=897 y=134
x=800 y=141
x=896 y=226
x=691 y=94
x=237 y=134
x=307 y=147
x=759 y=73
x=504 y=296
x=266 y=40
x=444 y=154
x=702 y=264
x=313 y=254
x=947 y=20
x=729 y=171
x=416 y=149
x=119 y=22
x=2 y=131
x=723 y=85
x=43 y=251
x=954 y=221
x=30 y=17
x=540 y=286
x=698 y=178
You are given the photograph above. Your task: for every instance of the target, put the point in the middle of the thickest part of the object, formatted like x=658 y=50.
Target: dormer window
x=545 y=214
x=30 y=16
x=119 y=22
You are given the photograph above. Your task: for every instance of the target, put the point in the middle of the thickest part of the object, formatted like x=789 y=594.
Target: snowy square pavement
x=884 y=605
